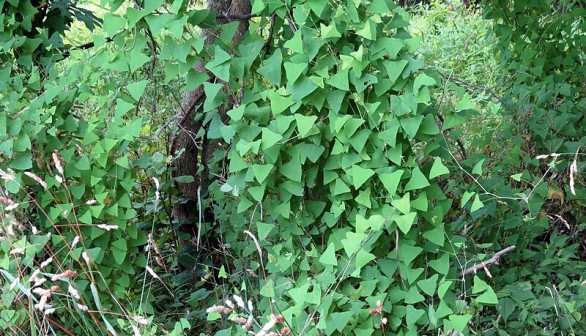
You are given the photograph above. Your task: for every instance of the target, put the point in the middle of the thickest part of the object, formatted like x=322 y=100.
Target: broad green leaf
x=362 y=259
x=404 y=222
x=292 y=169
x=257 y=192
x=137 y=59
x=294 y=70
x=83 y=163
x=359 y=139
x=453 y=120
x=368 y=31
x=222 y=273
x=422 y=80
x=136 y=89
x=466 y=197
x=283 y=209
x=352 y=242
x=228 y=132
x=417 y=181
x=438 y=169
x=395 y=69
x=443 y=288
x=339 y=80
x=269 y=138
x=441 y=265
x=257 y=6
x=360 y=175
x=268 y=289
x=330 y=31
x=214 y=95
x=261 y=172
x=364 y=198
x=122 y=108
x=374 y=222
x=340 y=187
x=122 y=161
x=296 y=43
x=477 y=204
x=195 y=79
x=412 y=315
x=340 y=320
x=378 y=7
x=271 y=67
x=421 y=203
x=457 y=322
x=329 y=256
x=429 y=126
x=411 y=125
x=264 y=229
x=465 y=103
x=237 y=113
x=478 y=167
x=220 y=66
x=428 y=286
x=403 y=204
x=413 y=295
x=479 y=285
x=279 y=102
x=391 y=181
x=436 y=235
x=113 y=23
x=304 y=123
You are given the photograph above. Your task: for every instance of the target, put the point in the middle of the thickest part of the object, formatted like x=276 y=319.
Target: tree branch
x=235 y=17
x=494 y=260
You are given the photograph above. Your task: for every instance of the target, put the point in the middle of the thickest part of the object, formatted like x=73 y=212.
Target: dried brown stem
x=493 y=260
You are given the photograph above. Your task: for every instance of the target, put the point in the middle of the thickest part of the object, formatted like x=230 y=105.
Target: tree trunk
x=191 y=135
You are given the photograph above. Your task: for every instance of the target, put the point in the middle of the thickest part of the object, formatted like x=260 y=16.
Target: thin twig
x=494 y=260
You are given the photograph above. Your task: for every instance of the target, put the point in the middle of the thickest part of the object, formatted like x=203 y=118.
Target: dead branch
x=493 y=260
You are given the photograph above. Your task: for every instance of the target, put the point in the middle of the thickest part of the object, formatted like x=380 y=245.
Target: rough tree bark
x=198 y=149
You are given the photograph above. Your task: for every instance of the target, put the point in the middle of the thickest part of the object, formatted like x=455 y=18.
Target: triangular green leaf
x=465 y=103
x=411 y=125
x=263 y=230
x=279 y=102
x=428 y=286
x=422 y=80
x=261 y=171
x=304 y=123
x=412 y=315
x=294 y=70
x=438 y=169
x=339 y=80
x=404 y=222
x=292 y=169
x=269 y=138
x=391 y=181
x=352 y=242
x=417 y=181
x=477 y=204
x=360 y=175
x=413 y=296
x=271 y=67
x=136 y=89
x=296 y=43
x=329 y=256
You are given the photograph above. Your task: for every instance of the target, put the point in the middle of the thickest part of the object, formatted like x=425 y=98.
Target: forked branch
x=493 y=260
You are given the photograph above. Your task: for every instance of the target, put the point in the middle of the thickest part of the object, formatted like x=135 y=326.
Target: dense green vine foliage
x=349 y=196
x=70 y=151
x=331 y=162
x=531 y=194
